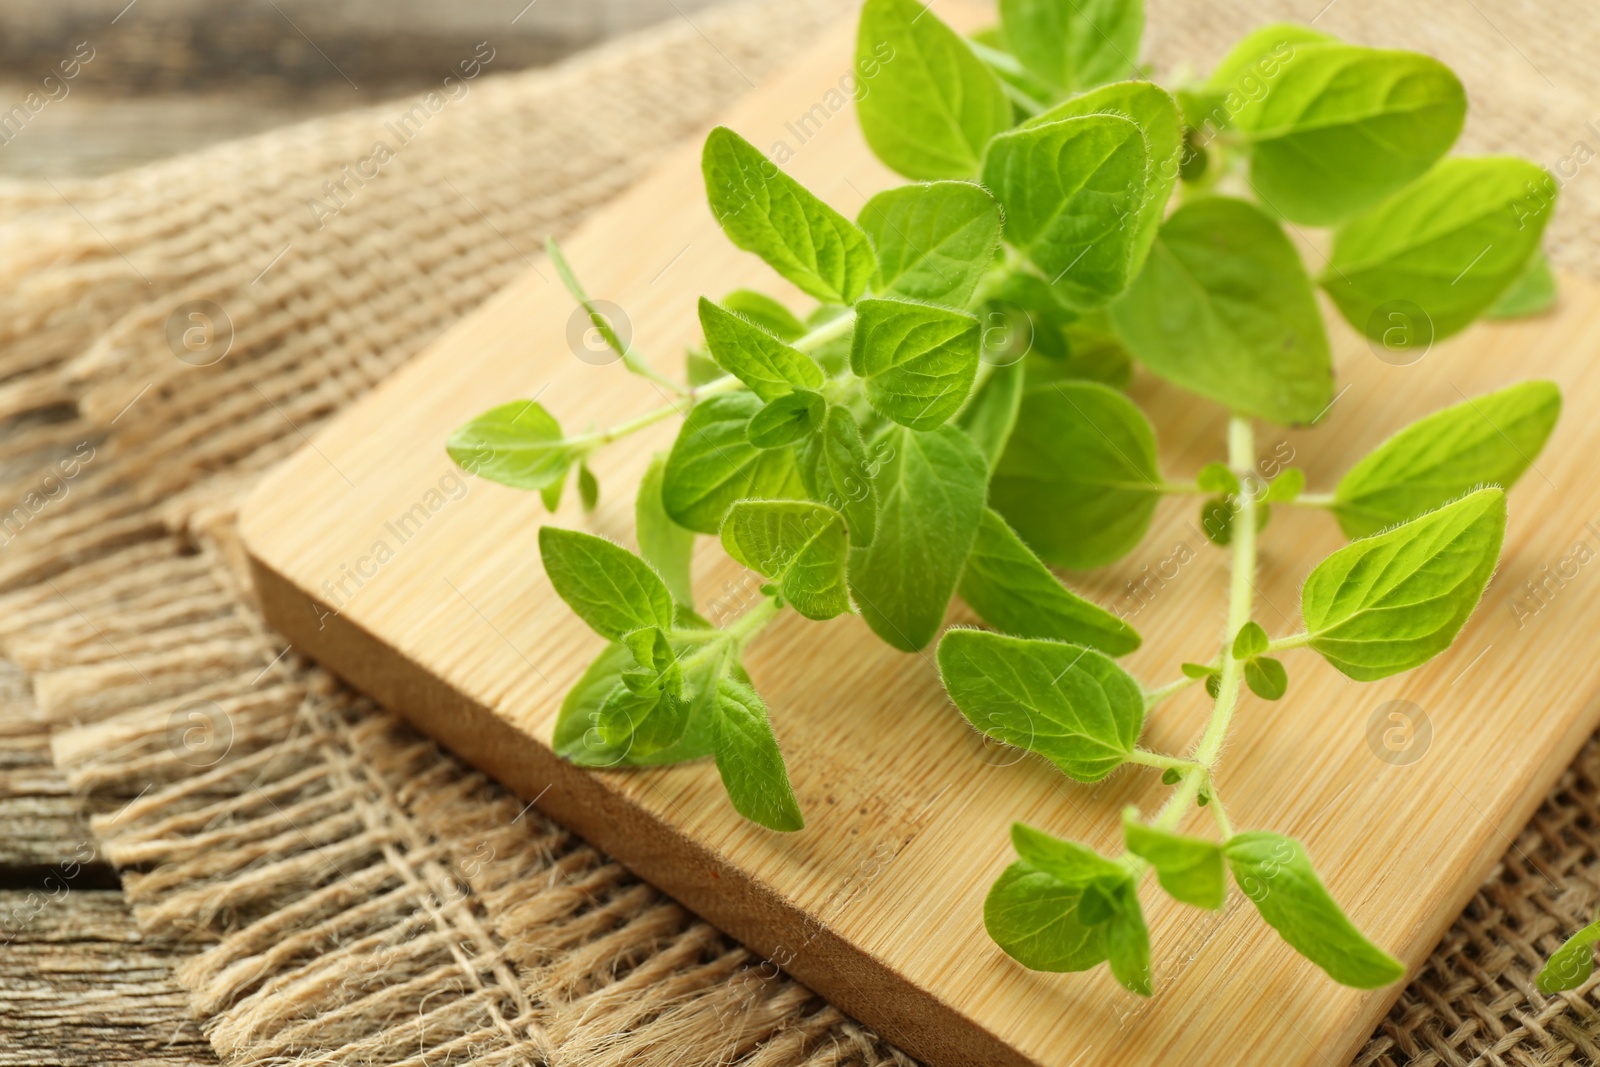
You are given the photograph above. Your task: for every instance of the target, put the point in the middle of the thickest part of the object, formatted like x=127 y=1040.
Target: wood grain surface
x=427 y=592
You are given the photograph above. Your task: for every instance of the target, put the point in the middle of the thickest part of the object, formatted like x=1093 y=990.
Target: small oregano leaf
x=517 y=444
x=1391 y=602
x=1444 y=249
x=1484 y=440
x=1189 y=869
x=757 y=358
x=1068 y=189
x=1275 y=874
x=665 y=545
x=1013 y=591
x=1071 y=705
x=1217 y=478
x=1224 y=308
x=1074 y=46
x=609 y=588
x=934 y=241
x=766 y=313
x=1251 y=640
x=1078 y=480
x=917 y=362
x=991 y=413
x=799 y=545
x=1570 y=965
x=750 y=762
x=930 y=489
x=713 y=463
x=787 y=419
x=927 y=105
x=1034 y=918
x=763 y=210
x=836 y=471
x=1266 y=677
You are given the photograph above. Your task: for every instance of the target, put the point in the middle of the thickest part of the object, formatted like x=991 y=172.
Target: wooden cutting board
x=424 y=589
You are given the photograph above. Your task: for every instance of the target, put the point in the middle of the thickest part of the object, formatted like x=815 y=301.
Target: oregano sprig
x=948 y=419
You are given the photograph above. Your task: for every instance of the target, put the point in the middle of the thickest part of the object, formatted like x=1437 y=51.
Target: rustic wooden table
x=78 y=986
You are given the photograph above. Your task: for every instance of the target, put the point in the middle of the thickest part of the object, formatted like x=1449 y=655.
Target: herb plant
x=948 y=419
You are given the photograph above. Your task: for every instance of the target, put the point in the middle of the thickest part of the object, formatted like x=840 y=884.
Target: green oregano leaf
x=1224 y=308
x=750 y=762
x=787 y=419
x=1275 y=874
x=930 y=489
x=1570 y=965
x=799 y=545
x=837 y=472
x=1189 y=869
x=1533 y=291
x=991 y=413
x=1249 y=641
x=1484 y=440
x=713 y=463
x=1155 y=112
x=758 y=359
x=1078 y=480
x=1217 y=478
x=1070 y=704
x=928 y=105
x=933 y=241
x=610 y=588
x=1034 y=918
x=1286 y=487
x=917 y=362
x=1444 y=248
x=588 y=488
x=1012 y=590
x=763 y=210
x=1068 y=189
x=1341 y=127
x=519 y=444
x=1072 y=46
x=1391 y=602
x=1266 y=677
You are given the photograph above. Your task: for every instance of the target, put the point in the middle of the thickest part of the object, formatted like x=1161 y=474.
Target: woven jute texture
x=351 y=894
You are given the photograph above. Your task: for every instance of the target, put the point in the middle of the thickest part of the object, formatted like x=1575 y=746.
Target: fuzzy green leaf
x=1249 y=641
x=766 y=313
x=750 y=762
x=758 y=359
x=1078 y=480
x=917 y=362
x=1341 y=127
x=610 y=588
x=1068 y=189
x=1266 y=677
x=1034 y=918
x=1155 y=112
x=927 y=104
x=933 y=241
x=1013 y=591
x=1071 y=705
x=1485 y=440
x=1452 y=243
x=834 y=465
x=786 y=419
x=1276 y=875
x=1224 y=308
x=930 y=489
x=1570 y=965
x=1388 y=603
x=763 y=210
x=713 y=463
x=517 y=444
x=799 y=545
x=1189 y=869
x=1075 y=45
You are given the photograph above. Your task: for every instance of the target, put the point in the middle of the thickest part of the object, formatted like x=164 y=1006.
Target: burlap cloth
x=352 y=894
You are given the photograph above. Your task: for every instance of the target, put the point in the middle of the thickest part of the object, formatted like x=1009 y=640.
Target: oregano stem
x=1283 y=644
x=744 y=629
x=1314 y=500
x=831 y=330
x=1161 y=762
x=1152 y=697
